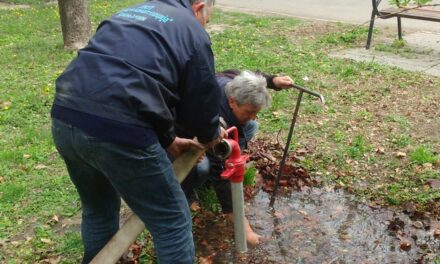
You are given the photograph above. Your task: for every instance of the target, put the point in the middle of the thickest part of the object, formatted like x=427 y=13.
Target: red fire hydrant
x=234 y=171
x=235 y=164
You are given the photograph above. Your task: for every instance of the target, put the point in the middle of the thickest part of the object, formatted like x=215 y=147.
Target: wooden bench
x=418 y=12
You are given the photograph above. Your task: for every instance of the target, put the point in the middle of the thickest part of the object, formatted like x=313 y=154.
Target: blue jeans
x=103 y=172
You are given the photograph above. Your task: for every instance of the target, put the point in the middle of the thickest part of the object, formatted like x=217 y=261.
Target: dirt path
x=11 y=6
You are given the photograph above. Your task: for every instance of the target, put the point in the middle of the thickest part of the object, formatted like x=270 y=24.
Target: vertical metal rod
x=399 y=27
x=286 y=149
x=370 y=30
x=238 y=214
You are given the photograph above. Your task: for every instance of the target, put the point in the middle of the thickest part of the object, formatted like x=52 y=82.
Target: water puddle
x=325 y=226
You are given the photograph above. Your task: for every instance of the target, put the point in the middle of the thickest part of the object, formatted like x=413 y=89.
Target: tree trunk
x=75 y=23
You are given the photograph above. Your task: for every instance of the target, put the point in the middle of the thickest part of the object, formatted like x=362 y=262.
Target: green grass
x=208 y=199
x=402 y=121
x=249 y=176
x=423 y=154
x=367 y=108
x=358 y=147
x=401 y=141
x=410 y=189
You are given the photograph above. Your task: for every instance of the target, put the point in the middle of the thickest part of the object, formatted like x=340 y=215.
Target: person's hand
x=179 y=145
x=201 y=158
x=283 y=82
x=223 y=133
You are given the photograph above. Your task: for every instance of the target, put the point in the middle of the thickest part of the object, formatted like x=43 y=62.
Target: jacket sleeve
x=228 y=73
x=198 y=109
x=269 y=79
x=165 y=139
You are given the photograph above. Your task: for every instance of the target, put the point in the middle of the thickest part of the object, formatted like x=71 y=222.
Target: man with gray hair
x=245 y=94
x=147 y=67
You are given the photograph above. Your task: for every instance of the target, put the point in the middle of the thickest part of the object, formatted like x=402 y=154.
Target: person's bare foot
x=252 y=238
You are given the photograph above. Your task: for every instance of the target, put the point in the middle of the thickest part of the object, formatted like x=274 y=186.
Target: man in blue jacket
x=113 y=116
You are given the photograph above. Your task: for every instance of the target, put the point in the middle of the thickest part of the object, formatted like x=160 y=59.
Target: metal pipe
x=128 y=233
x=238 y=215
x=321 y=98
x=286 y=149
x=289 y=137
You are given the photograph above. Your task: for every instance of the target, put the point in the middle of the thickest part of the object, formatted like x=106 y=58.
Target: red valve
x=235 y=164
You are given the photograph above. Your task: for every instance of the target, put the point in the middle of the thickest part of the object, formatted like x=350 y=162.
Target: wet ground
x=314 y=224
x=325 y=226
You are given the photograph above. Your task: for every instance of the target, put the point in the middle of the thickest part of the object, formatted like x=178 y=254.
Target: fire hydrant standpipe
x=238 y=214
x=235 y=169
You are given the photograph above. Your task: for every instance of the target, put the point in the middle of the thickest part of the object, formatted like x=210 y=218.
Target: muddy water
x=327 y=226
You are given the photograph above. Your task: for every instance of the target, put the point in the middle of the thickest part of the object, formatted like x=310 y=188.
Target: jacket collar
x=185 y=3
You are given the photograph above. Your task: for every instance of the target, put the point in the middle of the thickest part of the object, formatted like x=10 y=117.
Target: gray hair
x=249 y=88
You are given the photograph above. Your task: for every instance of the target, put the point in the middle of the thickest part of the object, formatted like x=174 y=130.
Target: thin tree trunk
x=75 y=23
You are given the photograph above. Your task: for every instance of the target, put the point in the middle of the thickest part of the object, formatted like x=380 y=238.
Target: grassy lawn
x=378 y=135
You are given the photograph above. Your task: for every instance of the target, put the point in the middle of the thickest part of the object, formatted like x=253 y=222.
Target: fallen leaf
x=55 y=219
x=437 y=233
x=26 y=156
x=205 y=260
x=46 y=240
x=6 y=105
x=2 y=179
x=433 y=183
x=276 y=113
x=400 y=154
x=195 y=207
x=427 y=165
x=40 y=167
x=409 y=207
x=345 y=236
x=405 y=245
x=380 y=150
x=301 y=151
x=55 y=260
x=268 y=156
x=302 y=212
x=418 y=224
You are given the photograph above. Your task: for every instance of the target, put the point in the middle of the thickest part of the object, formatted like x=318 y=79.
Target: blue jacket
x=146 y=67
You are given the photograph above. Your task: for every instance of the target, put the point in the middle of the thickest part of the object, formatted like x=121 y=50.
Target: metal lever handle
x=321 y=98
